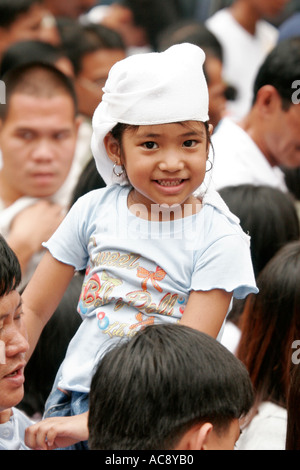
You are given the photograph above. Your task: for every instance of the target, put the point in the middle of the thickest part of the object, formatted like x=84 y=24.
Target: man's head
x=169 y=387
x=92 y=57
x=196 y=33
x=275 y=117
x=13 y=337
x=38 y=132
x=25 y=19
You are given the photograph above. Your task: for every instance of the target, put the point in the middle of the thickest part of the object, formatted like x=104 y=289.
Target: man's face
x=37 y=140
x=14 y=339
x=282 y=140
x=92 y=77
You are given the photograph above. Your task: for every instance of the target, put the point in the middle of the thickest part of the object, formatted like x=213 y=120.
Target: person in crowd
x=246 y=38
x=270 y=217
x=38 y=135
x=13 y=346
x=270 y=326
x=196 y=33
x=151 y=144
x=170 y=387
x=33 y=50
x=92 y=57
x=120 y=18
x=42 y=367
x=23 y=20
x=254 y=150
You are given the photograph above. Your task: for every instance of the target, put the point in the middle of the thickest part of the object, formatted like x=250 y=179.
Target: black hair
x=92 y=38
x=146 y=392
x=24 y=52
x=154 y=15
x=11 y=9
x=192 y=32
x=10 y=270
x=280 y=69
x=118 y=130
x=37 y=79
x=270 y=325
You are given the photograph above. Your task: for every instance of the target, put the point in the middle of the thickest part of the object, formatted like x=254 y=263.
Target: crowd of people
x=149 y=225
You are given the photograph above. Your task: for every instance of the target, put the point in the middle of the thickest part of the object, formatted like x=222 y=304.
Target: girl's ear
x=113 y=148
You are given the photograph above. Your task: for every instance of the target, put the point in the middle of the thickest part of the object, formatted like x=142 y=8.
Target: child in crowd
x=169 y=387
x=156 y=243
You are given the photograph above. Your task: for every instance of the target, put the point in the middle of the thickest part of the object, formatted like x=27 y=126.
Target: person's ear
x=112 y=147
x=268 y=100
x=203 y=436
x=196 y=438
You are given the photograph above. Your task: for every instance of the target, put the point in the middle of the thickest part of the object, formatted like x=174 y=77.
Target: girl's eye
x=150 y=145
x=189 y=143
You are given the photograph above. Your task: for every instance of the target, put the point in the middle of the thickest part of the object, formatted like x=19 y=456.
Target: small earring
x=115 y=171
x=210 y=166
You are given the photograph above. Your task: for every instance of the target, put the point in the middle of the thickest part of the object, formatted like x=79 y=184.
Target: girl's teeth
x=169 y=183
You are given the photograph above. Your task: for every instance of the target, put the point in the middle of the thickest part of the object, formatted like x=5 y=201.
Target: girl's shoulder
x=218 y=217
x=103 y=195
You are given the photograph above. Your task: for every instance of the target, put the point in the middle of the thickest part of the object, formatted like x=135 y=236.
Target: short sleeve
x=225 y=264
x=69 y=242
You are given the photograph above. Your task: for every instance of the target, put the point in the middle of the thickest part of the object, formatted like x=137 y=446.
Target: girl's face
x=164 y=163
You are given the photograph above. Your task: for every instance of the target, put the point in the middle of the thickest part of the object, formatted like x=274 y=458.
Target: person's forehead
x=8 y=303
x=39 y=106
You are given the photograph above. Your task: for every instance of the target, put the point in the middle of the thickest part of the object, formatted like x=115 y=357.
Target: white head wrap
x=147 y=89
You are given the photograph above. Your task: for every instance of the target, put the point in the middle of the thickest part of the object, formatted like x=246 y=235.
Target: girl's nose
x=171 y=162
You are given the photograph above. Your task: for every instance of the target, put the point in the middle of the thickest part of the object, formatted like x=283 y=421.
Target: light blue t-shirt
x=140 y=272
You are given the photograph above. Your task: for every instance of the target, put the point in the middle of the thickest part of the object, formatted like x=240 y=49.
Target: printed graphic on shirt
x=102 y=288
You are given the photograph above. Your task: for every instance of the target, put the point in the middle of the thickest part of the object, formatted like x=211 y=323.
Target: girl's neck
x=246 y=15
x=159 y=213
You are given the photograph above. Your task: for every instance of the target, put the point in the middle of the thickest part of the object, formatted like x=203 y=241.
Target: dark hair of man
x=280 y=69
x=11 y=9
x=10 y=271
x=270 y=325
x=24 y=52
x=93 y=37
x=147 y=392
x=39 y=80
x=192 y=32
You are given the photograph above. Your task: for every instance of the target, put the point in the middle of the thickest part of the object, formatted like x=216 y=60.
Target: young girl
x=156 y=245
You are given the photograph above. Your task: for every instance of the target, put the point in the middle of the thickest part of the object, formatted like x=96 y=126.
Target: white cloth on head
x=149 y=89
